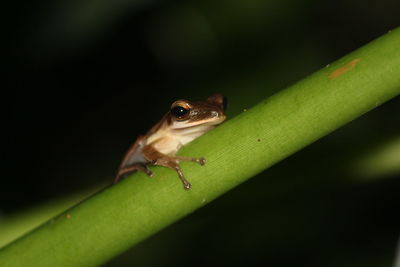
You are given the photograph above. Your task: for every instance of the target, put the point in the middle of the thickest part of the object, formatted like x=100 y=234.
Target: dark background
x=84 y=78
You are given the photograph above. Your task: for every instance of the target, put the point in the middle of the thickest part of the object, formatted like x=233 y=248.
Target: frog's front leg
x=200 y=161
x=172 y=162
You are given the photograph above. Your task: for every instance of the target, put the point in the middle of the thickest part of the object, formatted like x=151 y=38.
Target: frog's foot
x=130 y=169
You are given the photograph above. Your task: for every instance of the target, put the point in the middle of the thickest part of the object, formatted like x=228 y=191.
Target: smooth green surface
x=14 y=225
x=120 y=216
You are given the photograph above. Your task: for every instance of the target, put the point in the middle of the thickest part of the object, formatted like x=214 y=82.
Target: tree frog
x=184 y=122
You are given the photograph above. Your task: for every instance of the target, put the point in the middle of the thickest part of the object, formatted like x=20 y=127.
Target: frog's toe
x=201 y=161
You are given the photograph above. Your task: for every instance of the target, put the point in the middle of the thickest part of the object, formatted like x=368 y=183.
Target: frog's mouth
x=199 y=122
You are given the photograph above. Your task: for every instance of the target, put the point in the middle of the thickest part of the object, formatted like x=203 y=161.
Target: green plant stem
x=122 y=215
x=14 y=225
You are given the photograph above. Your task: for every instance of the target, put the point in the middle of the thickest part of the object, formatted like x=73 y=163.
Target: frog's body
x=182 y=124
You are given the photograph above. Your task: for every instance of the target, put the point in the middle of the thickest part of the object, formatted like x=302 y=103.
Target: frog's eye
x=179 y=112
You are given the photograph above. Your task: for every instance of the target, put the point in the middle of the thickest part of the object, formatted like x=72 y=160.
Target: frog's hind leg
x=132 y=168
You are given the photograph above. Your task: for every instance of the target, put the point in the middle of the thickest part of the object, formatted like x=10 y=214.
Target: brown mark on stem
x=342 y=70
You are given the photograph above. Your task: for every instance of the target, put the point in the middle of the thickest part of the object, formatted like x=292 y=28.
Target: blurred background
x=84 y=78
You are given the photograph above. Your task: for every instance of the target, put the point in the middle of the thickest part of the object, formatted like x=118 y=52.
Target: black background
x=83 y=79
